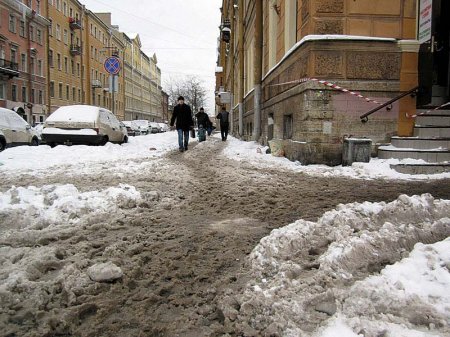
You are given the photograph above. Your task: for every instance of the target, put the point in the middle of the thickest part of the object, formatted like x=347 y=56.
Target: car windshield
x=141 y=123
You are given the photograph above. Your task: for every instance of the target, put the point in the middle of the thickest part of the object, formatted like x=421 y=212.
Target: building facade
x=23 y=66
x=282 y=60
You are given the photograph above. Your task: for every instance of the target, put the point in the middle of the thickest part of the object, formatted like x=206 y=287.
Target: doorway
x=434 y=59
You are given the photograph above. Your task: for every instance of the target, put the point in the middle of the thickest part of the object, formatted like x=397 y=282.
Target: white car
x=164 y=127
x=155 y=127
x=14 y=130
x=83 y=124
x=142 y=125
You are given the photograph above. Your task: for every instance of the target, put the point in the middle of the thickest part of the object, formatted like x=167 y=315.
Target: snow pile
x=326 y=274
x=247 y=152
x=59 y=206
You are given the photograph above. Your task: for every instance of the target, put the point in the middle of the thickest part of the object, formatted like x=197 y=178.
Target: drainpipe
x=241 y=67
x=30 y=75
x=232 y=51
x=258 y=69
x=49 y=99
x=83 y=94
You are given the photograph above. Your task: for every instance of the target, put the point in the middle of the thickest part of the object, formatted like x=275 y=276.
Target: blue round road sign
x=112 y=65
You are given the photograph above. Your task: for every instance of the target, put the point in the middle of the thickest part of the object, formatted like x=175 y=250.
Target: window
x=22 y=28
x=58 y=32
x=52 y=89
x=13 y=55
x=40 y=98
x=60 y=89
x=32 y=96
x=79 y=95
x=65 y=9
x=50 y=28
x=59 y=61
x=24 y=94
x=38 y=6
x=72 y=66
x=40 y=73
x=31 y=33
x=50 y=58
x=2 y=91
x=66 y=36
x=67 y=92
x=73 y=94
x=14 y=93
x=71 y=12
x=58 y=5
x=287 y=127
x=78 y=69
x=23 y=62
x=66 y=65
x=39 y=36
x=32 y=70
x=12 y=23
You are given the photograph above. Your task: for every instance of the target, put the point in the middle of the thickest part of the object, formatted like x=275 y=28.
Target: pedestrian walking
x=224 y=124
x=182 y=119
x=203 y=120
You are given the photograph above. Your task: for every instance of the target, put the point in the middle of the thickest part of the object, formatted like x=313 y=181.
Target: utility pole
x=258 y=69
x=241 y=67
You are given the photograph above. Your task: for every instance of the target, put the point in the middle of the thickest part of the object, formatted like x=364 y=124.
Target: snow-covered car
x=155 y=127
x=142 y=125
x=132 y=129
x=14 y=130
x=38 y=127
x=164 y=127
x=83 y=124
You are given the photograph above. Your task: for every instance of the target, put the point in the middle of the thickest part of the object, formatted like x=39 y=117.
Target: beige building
x=142 y=82
x=273 y=55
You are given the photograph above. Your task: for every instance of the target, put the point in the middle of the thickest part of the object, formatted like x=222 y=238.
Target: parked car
x=83 y=124
x=14 y=130
x=131 y=129
x=164 y=127
x=155 y=128
x=142 y=125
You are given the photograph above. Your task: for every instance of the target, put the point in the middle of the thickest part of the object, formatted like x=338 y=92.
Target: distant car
x=155 y=127
x=83 y=124
x=14 y=130
x=164 y=127
x=131 y=130
x=142 y=125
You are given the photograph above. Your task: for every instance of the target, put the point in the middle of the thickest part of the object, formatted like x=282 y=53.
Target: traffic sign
x=112 y=65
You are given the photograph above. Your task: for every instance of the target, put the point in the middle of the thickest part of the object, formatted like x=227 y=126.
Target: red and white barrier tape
x=427 y=112
x=331 y=85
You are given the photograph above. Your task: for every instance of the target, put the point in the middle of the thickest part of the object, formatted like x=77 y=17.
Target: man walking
x=224 y=124
x=203 y=119
x=182 y=114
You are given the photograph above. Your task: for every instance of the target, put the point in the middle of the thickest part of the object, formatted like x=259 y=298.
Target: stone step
x=420 y=143
x=422 y=168
x=433 y=120
x=431 y=111
x=430 y=156
x=431 y=131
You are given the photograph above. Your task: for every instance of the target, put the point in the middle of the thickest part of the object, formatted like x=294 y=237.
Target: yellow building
x=65 y=53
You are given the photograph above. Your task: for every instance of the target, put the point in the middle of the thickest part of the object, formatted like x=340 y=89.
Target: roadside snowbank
x=369 y=269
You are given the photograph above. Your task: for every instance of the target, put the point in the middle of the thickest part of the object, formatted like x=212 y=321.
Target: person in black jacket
x=203 y=119
x=182 y=114
x=224 y=124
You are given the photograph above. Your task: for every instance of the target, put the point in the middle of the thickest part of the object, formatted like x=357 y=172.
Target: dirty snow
x=362 y=269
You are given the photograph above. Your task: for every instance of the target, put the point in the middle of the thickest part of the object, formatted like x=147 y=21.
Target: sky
x=182 y=33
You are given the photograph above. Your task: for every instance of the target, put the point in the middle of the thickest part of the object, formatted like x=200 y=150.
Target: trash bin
x=356 y=150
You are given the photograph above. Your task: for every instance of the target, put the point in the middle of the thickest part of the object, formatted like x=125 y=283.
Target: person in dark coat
x=182 y=114
x=203 y=119
x=224 y=123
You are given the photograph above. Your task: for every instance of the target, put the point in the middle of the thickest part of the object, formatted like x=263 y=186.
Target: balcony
x=97 y=84
x=74 y=23
x=75 y=50
x=8 y=68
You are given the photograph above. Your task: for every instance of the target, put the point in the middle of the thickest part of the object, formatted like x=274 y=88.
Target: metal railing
x=364 y=118
x=7 y=64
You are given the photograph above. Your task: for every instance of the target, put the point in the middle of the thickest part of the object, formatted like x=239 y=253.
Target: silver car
x=14 y=130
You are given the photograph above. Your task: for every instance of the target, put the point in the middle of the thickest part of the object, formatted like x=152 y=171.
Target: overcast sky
x=182 y=33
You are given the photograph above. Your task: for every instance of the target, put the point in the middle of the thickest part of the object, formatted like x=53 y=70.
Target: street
x=183 y=245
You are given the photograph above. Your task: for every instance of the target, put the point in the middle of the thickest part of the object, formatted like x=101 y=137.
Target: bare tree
x=190 y=87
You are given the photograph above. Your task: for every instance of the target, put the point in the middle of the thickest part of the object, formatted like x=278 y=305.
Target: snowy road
x=183 y=229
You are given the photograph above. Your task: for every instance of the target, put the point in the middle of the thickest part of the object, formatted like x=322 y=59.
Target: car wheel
x=34 y=142
x=52 y=145
x=125 y=140
x=2 y=145
x=105 y=140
